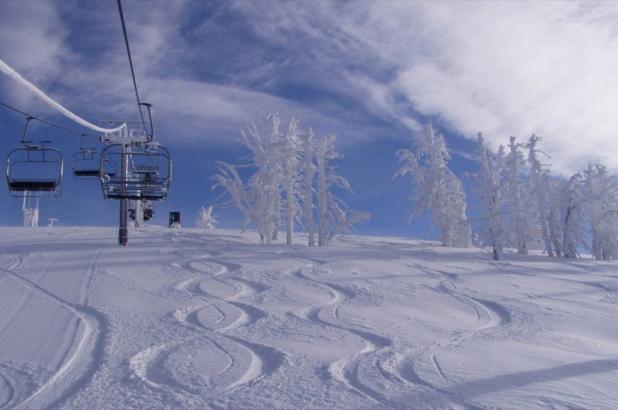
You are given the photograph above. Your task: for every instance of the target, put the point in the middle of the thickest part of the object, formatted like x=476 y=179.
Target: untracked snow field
x=188 y=319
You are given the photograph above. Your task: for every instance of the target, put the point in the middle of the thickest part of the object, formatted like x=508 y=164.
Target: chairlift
x=86 y=162
x=34 y=169
x=148 y=172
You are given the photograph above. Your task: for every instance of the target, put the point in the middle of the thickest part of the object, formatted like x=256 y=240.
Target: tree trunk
x=290 y=213
x=321 y=203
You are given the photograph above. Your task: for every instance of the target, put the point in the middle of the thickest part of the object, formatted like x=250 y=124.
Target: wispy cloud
x=190 y=105
x=500 y=67
x=32 y=38
x=503 y=68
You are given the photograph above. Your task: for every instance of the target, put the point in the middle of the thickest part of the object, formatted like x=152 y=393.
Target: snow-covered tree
x=518 y=217
x=521 y=199
x=265 y=183
x=601 y=211
x=539 y=190
x=309 y=169
x=205 y=218
x=490 y=197
x=554 y=189
x=289 y=151
x=259 y=198
x=334 y=216
x=229 y=180
x=572 y=217
x=284 y=165
x=589 y=213
x=437 y=189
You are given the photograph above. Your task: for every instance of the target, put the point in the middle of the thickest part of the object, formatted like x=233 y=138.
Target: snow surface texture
x=211 y=319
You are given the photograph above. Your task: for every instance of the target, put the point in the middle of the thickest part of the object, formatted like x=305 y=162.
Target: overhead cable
x=51 y=124
x=126 y=43
x=6 y=69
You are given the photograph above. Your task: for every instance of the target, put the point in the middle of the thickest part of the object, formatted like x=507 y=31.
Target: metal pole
x=123 y=232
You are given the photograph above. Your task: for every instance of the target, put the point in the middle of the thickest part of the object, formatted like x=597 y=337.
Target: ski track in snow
x=15 y=389
x=19 y=306
x=10 y=391
x=88 y=320
x=400 y=368
x=264 y=359
x=232 y=314
x=346 y=370
x=201 y=348
x=490 y=316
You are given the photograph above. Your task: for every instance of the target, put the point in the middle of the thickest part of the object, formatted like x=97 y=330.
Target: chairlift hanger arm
x=148 y=107
x=23 y=136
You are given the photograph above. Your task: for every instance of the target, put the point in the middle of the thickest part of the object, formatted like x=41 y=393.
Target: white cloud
x=548 y=68
x=97 y=84
x=32 y=40
x=505 y=68
x=32 y=37
x=192 y=110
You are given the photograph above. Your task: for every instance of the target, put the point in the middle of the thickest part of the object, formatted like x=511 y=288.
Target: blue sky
x=371 y=72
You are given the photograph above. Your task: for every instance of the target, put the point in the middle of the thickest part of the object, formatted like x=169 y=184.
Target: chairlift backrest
x=86 y=164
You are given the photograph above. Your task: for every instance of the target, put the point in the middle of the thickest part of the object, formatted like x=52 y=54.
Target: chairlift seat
x=86 y=172
x=25 y=185
x=146 y=170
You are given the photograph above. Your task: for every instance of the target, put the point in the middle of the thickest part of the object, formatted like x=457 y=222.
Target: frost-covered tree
x=518 y=217
x=437 y=189
x=309 y=169
x=589 y=213
x=601 y=211
x=284 y=166
x=334 y=217
x=259 y=198
x=265 y=183
x=205 y=218
x=241 y=197
x=554 y=188
x=288 y=153
x=572 y=217
x=490 y=197
x=521 y=199
x=539 y=190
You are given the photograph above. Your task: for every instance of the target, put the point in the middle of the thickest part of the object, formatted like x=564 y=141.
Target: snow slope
x=190 y=319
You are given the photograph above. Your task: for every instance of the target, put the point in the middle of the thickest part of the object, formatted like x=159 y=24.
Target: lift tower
x=134 y=168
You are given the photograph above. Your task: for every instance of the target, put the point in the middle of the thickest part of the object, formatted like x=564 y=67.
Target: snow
x=211 y=319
